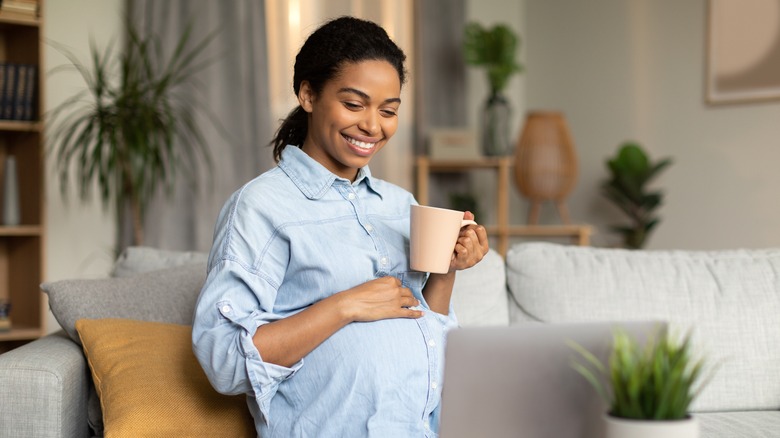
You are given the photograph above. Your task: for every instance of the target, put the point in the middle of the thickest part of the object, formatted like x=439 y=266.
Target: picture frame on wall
x=743 y=51
x=453 y=144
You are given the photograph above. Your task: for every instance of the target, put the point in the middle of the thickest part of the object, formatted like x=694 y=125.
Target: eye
x=389 y=112
x=352 y=106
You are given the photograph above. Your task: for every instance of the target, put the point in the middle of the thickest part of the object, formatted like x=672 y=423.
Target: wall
x=635 y=70
x=489 y=13
x=80 y=236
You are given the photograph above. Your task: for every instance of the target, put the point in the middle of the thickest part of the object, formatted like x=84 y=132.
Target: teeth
x=360 y=144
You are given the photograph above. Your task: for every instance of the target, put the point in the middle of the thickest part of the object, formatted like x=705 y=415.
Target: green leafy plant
x=120 y=133
x=494 y=49
x=657 y=381
x=630 y=172
x=465 y=202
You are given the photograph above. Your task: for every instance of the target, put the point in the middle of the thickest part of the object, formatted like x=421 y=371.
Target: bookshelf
x=22 y=244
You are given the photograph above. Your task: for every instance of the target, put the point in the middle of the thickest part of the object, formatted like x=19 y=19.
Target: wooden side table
x=502 y=230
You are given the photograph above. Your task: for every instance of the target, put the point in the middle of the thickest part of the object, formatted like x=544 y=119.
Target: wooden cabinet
x=501 y=230
x=22 y=244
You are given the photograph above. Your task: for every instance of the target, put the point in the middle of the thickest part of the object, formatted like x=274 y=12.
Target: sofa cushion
x=139 y=259
x=739 y=424
x=166 y=295
x=729 y=299
x=150 y=383
x=479 y=295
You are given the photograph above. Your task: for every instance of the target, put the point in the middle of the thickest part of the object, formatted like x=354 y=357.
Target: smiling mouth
x=360 y=144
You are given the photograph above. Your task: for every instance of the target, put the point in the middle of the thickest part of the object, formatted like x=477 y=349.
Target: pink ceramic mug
x=434 y=232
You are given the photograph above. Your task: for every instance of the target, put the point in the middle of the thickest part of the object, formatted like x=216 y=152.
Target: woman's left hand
x=471 y=247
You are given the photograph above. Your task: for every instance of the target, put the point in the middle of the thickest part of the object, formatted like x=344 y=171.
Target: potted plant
x=120 y=133
x=494 y=49
x=630 y=172
x=648 y=388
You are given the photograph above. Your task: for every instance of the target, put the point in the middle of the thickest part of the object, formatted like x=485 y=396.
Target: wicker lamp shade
x=545 y=162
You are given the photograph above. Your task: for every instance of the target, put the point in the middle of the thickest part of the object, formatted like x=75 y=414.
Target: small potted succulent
x=649 y=388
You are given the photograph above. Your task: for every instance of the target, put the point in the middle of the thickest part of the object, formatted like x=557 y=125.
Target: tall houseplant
x=630 y=172
x=647 y=387
x=130 y=131
x=493 y=49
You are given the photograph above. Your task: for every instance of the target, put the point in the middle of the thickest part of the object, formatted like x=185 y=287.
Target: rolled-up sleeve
x=234 y=302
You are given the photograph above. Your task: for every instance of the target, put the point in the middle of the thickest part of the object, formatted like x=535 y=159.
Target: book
x=2 y=85
x=7 y=109
x=28 y=99
x=19 y=91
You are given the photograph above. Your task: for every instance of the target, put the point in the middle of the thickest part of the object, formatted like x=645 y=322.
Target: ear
x=305 y=96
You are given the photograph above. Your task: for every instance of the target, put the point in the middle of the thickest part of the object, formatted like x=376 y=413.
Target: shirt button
x=351 y=196
x=226 y=309
x=427 y=426
x=434 y=385
x=431 y=343
x=369 y=228
x=383 y=261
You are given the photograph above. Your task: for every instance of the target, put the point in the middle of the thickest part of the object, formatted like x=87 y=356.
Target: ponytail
x=291 y=132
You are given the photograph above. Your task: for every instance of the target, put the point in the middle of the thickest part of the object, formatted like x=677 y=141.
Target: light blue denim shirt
x=287 y=239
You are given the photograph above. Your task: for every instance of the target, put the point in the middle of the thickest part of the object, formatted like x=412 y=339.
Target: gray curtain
x=438 y=39
x=440 y=89
x=235 y=90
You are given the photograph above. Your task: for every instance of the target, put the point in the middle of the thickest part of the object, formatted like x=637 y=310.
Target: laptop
x=519 y=381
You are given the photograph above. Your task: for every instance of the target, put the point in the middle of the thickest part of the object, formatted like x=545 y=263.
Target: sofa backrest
x=730 y=300
x=479 y=296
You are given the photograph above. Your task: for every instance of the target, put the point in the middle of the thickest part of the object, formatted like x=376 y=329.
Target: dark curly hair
x=337 y=42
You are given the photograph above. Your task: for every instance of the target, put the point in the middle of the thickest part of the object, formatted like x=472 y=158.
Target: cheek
x=390 y=126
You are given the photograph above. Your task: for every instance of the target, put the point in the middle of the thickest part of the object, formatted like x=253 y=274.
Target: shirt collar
x=312 y=178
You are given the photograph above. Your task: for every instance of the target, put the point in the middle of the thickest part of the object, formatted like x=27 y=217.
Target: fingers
x=471 y=247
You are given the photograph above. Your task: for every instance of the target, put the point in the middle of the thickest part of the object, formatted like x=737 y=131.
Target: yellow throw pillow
x=150 y=383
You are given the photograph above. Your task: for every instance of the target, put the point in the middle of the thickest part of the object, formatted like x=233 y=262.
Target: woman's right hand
x=382 y=298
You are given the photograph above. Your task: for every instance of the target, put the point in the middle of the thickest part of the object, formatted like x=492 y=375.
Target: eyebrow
x=366 y=96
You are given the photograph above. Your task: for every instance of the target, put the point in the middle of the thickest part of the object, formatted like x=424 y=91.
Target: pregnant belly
x=365 y=366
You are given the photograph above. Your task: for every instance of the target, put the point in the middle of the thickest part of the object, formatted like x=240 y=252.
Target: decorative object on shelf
x=630 y=172
x=453 y=143
x=545 y=163
x=132 y=135
x=494 y=49
x=649 y=388
x=5 y=315
x=11 y=215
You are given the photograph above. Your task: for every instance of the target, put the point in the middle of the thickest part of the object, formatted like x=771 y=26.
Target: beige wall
x=619 y=70
x=635 y=70
x=80 y=236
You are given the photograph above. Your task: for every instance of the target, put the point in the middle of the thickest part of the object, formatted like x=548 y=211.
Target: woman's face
x=353 y=117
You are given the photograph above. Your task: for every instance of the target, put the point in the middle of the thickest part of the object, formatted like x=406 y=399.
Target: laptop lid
x=519 y=381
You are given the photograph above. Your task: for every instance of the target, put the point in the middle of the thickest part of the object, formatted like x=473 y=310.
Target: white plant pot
x=628 y=428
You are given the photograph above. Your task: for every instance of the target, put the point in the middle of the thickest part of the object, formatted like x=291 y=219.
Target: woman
x=309 y=307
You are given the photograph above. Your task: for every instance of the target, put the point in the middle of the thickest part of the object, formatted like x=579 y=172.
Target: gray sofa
x=730 y=300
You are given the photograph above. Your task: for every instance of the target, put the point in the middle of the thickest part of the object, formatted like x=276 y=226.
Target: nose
x=369 y=123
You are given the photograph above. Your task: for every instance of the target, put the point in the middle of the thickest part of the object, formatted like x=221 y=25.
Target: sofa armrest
x=44 y=389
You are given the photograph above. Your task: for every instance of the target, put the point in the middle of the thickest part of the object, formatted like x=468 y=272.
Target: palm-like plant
x=130 y=131
x=630 y=172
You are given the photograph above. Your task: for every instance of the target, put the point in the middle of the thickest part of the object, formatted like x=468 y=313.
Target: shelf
x=22 y=246
x=21 y=231
x=21 y=334
x=502 y=230
x=18 y=19
x=17 y=126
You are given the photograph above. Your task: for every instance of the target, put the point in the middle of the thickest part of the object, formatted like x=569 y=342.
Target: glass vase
x=495 y=126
